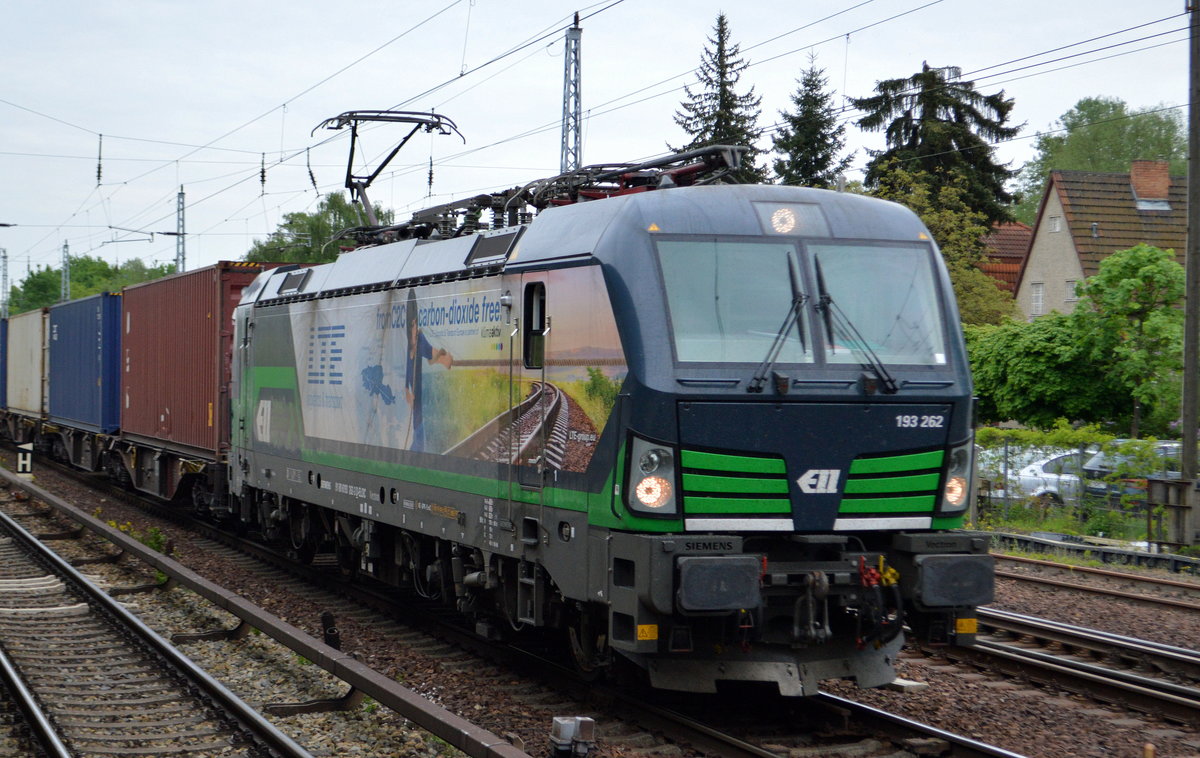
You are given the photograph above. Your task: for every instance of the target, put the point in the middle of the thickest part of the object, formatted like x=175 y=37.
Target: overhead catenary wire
x=594 y=111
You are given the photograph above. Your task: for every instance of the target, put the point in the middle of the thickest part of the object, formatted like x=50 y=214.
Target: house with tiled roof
x=1007 y=245
x=1086 y=216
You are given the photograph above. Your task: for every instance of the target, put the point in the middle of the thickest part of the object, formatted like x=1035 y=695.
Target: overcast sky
x=202 y=94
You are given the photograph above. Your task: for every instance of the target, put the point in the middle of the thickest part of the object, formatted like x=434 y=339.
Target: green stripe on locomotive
x=599 y=505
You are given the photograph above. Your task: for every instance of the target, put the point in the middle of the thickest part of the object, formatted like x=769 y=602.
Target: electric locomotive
x=723 y=432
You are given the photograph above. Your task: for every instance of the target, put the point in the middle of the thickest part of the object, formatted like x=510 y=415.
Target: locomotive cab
x=797 y=442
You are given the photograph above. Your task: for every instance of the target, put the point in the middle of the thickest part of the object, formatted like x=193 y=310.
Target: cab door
x=532 y=397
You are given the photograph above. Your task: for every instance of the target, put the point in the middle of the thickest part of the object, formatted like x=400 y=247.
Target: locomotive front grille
x=740 y=485
x=892 y=486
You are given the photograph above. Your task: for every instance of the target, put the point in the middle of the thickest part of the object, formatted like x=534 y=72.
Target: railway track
x=625 y=718
x=1140 y=588
x=1145 y=676
x=94 y=680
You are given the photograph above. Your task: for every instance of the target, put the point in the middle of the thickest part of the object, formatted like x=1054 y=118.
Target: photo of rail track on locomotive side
x=702 y=431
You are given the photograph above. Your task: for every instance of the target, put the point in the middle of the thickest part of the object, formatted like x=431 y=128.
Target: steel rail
x=1135 y=597
x=250 y=720
x=1179 y=703
x=457 y=731
x=964 y=747
x=1094 y=571
x=1117 y=556
x=1100 y=641
x=658 y=719
x=40 y=726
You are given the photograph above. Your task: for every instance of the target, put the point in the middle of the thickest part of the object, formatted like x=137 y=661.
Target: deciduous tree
x=958 y=230
x=1101 y=134
x=1131 y=304
x=1112 y=360
x=89 y=276
x=1037 y=372
x=305 y=237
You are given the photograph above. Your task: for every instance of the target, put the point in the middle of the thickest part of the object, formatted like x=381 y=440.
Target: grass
x=1087 y=519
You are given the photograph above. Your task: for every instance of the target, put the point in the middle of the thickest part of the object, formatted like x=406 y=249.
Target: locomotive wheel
x=303 y=547
x=348 y=560
x=589 y=646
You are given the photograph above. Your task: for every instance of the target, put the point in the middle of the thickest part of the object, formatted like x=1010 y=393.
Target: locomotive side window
x=534 y=321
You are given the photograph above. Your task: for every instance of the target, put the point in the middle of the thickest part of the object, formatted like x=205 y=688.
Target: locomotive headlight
x=653 y=492
x=651 y=460
x=650 y=483
x=957 y=489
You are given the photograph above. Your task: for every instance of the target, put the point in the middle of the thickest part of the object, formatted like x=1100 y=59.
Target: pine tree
x=942 y=126
x=811 y=137
x=717 y=114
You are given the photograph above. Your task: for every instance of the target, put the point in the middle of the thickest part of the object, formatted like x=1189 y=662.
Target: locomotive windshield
x=889 y=294
x=728 y=301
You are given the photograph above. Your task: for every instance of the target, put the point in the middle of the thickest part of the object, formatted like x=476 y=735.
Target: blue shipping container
x=85 y=363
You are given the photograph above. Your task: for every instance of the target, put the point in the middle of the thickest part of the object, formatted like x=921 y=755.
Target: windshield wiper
x=837 y=321
x=792 y=318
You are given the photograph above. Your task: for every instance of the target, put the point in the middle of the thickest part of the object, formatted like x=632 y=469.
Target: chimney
x=1151 y=180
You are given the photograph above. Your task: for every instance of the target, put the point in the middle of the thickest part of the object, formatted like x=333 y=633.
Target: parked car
x=996 y=466
x=1111 y=473
x=1056 y=479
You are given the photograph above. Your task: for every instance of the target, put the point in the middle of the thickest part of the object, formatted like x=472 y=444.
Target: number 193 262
x=920 y=422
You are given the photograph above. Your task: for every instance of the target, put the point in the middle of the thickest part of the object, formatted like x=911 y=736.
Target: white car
x=994 y=466
x=1056 y=479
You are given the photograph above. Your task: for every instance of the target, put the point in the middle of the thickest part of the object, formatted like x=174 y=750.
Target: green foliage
x=596 y=396
x=460 y=401
x=306 y=237
x=1059 y=434
x=1101 y=134
x=811 y=138
x=937 y=124
x=152 y=538
x=1130 y=306
x=1037 y=372
x=1112 y=360
x=1029 y=517
x=89 y=276
x=958 y=231
x=716 y=114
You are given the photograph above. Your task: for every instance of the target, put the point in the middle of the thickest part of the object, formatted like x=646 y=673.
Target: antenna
x=572 y=150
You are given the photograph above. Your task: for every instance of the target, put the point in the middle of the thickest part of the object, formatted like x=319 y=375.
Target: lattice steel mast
x=572 y=141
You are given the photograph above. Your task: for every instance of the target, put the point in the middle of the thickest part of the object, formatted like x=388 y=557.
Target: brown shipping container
x=177 y=335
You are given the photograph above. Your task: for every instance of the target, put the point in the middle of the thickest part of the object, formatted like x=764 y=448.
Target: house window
x=1037 y=298
x=1071 y=296
x=1056 y=223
